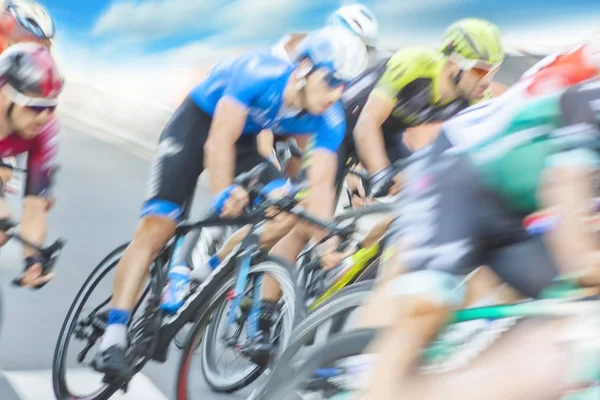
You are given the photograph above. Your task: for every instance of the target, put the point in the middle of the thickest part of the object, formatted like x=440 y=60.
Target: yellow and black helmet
x=474 y=39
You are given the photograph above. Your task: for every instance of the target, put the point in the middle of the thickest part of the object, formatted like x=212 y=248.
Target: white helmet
x=33 y=17
x=359 y=19
x=336 y=49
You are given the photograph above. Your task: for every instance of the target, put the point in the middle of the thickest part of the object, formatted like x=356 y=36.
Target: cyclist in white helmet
x=356 y=17
x=23 y=20
x=360 y=20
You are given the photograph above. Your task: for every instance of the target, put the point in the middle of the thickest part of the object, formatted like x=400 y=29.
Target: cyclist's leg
x=175 y=169
x=297 y=235
x=437 y=231
x=525 y=363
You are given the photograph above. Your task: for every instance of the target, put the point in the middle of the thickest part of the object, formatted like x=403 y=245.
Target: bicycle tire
x=59 y=384
x=342 y=346
x=284 y=274
x=349 y=297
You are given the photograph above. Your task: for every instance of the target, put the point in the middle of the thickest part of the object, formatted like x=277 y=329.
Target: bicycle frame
x=360 y=260
x=561 y=305
x=171 y=324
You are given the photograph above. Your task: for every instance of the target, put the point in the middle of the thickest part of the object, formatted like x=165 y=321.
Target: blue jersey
x=257 y=81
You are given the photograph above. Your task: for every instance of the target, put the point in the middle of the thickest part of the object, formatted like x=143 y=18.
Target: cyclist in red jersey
x=29 y=86
x=22 y=21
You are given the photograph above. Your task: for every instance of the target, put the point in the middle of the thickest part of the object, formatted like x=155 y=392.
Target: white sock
x=115 y=335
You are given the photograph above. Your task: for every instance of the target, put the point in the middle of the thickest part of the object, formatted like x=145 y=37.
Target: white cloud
x=395 y=8
x=258 y=21
x=156 y=18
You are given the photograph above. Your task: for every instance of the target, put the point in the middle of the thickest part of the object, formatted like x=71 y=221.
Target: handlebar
x=338 y=226
x=10 y=166
x=383 y=185
x=49 y=254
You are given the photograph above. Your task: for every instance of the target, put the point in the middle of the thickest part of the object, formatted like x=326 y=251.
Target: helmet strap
x=458 y=77
x=9 y=110
x=301 y=84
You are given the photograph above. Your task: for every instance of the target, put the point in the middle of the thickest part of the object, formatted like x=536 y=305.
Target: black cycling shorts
x=451 y=223
x=179 y=161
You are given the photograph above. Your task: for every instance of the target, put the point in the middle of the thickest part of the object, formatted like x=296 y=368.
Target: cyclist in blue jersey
x=216 y=126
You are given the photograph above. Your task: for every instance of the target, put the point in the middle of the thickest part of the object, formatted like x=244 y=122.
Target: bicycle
x=328 y=370
x=207 y=242
x=309 y=280
x=150 y=333
x=340 y=304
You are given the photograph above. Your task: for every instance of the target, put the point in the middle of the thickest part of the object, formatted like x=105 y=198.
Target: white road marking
x=37 y=385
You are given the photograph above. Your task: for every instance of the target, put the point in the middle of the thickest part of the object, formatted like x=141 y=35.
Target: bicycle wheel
x=346 y=299
x=205 y=246
x=88 y=328
x=205 y=332
x=304 y=383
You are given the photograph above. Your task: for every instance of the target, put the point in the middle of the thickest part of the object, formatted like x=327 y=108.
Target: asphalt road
x=99 y=191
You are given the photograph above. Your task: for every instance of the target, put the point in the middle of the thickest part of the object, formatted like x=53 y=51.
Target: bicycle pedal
x=125 y=386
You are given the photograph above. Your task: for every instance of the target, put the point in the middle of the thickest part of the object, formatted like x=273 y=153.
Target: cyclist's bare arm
x=319 y=203
x=227 y=126
x=34 y=222
x=368 y=134
x=265 y=142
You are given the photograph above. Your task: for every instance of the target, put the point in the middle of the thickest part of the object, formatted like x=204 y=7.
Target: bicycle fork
x=237 y=302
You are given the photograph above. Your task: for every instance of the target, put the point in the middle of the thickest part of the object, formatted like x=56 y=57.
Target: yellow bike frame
x=360 y=260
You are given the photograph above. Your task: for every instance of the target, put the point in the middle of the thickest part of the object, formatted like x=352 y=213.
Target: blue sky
x=131 y=28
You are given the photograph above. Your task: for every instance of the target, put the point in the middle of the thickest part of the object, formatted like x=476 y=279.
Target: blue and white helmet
x=336 y=49
x=359 y=19
x=33 y=17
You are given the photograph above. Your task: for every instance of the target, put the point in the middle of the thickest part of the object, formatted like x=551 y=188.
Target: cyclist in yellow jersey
x=422 y=85
x=416 y=89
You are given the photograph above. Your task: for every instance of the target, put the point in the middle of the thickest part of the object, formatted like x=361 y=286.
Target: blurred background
x=152 y=51
x=128 y=64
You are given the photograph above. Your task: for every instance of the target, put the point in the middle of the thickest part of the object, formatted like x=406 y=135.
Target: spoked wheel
x=84 y=325
x=301 y=343
x=330 y=372
x=208 y=342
